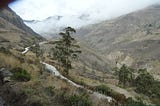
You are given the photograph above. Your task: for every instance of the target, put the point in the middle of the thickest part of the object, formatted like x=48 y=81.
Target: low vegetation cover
x=131 y=102
x=4 y=50
x=143 y=82
x=120 y=98
x=78 y=100
x=103 y=89
x=20 y=74
x=146 y=84
x=50 y=91
x=73 y=99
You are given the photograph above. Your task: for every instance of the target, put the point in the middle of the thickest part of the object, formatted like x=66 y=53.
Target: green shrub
x=131 y=102
x=121 y=98
x=146 y=84
x=20 y=74
x=103 y=89
x=80 y=82
x=155 y=89
x=61 y=95
x=28 y=91
x=78 y=100
x=4 y=50
x=107 y=91
x=66 y=99
x=50 y=91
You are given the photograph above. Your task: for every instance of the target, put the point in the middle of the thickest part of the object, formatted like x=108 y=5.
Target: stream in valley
x=53 y=70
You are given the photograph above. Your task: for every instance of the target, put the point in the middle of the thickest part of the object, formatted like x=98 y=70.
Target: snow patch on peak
x=54 y=24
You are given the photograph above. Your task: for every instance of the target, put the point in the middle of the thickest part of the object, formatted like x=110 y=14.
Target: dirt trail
x=98 y=95
x=57 y=73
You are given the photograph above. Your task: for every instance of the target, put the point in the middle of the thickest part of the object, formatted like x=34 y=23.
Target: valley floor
x=42 y=80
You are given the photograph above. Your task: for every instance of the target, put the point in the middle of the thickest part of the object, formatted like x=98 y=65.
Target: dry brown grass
x=35 y=88
x=7 y=60
x=29 y=64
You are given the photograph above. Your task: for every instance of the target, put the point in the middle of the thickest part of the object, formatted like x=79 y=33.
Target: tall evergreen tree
x=123 y=75
x=126 y=75
x=66 y=49
x=144 y=82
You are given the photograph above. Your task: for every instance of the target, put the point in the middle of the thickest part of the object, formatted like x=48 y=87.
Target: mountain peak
x=56 y=17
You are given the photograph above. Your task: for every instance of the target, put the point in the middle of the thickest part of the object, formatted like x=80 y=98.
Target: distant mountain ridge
x=132 y=39
x=50 y=26
x=54 y=24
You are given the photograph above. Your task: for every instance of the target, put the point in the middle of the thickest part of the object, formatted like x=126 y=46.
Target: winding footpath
x=53 y=70
x=26 y=50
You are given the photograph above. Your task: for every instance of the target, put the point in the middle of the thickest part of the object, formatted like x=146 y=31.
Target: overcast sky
x=41 y=9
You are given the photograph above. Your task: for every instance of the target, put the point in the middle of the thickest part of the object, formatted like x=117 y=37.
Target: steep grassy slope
x=13 y=32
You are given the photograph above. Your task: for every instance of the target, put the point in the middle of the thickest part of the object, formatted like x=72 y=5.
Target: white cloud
x=41 y=9
x=99 y=9
x=113 y=8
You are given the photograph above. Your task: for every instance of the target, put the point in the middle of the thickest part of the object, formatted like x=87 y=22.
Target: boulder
x=5 y=75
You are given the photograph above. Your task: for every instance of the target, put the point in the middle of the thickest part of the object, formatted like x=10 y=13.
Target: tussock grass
x=20 y=74
x=9 y=61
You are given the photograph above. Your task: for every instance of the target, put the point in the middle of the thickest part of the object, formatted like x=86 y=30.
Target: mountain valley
x=124 y=47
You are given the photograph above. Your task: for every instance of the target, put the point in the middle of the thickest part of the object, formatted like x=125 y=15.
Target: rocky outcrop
x=5 y=75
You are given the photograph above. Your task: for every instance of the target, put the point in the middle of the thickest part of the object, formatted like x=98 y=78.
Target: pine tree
x=126 y=75
x=144 y=82
x=123 y=75
x=66 y=49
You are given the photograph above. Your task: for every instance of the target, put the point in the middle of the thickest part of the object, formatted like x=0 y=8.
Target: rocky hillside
x=13 y=31
x=132 y=39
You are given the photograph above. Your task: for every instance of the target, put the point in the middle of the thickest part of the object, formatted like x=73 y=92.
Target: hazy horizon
x=97 y=9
